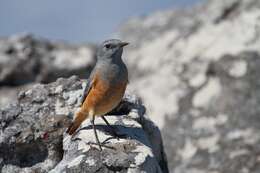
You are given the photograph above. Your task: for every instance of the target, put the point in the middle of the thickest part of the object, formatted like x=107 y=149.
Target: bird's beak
x=123 y=44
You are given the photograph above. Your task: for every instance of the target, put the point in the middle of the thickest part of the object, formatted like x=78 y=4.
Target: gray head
x=111 y=50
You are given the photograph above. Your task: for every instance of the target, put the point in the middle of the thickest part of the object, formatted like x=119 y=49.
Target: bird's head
x=111 y=49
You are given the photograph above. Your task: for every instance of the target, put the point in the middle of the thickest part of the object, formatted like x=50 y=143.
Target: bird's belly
x=103 y=98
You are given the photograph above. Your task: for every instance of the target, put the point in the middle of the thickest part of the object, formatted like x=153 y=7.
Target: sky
x=75 y=21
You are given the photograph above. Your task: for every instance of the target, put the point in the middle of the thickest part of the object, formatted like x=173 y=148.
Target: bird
x=105 y=88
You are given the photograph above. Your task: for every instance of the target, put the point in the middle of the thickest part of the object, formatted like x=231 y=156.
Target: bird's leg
x=95 y=132
x=112 y=128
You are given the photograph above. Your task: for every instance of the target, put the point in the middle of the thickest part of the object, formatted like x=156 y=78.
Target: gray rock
x=25 y=59
x=32 y=137
x=217 y=125
x=197 y=69
x=9 y=94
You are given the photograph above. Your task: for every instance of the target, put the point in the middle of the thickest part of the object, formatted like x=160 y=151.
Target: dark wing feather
x=85 y=92
x=87 y=88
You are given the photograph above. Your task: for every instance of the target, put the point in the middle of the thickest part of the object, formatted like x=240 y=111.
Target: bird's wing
x=86 y=90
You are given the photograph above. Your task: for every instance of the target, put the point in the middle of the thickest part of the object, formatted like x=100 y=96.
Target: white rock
x=238 y=69
x=207 y=93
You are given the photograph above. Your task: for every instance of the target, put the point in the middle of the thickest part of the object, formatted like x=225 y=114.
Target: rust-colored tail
x=80 y=117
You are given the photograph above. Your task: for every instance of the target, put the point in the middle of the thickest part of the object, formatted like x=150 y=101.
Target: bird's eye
x=108 y=46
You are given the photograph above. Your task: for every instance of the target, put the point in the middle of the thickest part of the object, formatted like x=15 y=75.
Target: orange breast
x=103 y=97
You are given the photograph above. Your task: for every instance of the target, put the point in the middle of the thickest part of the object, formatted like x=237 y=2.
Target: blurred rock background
x=195 y=68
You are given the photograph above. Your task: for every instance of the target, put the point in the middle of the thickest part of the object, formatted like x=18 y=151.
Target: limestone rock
x=33 y=139
x=197 y=69
x=25 y=59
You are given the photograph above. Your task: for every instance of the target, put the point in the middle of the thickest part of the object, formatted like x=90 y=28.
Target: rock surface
x=196 y=71
x=25 y=59
x=32 y=137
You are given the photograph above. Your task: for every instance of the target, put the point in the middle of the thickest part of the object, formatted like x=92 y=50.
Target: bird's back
x=112 y=72
x=109 y=86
